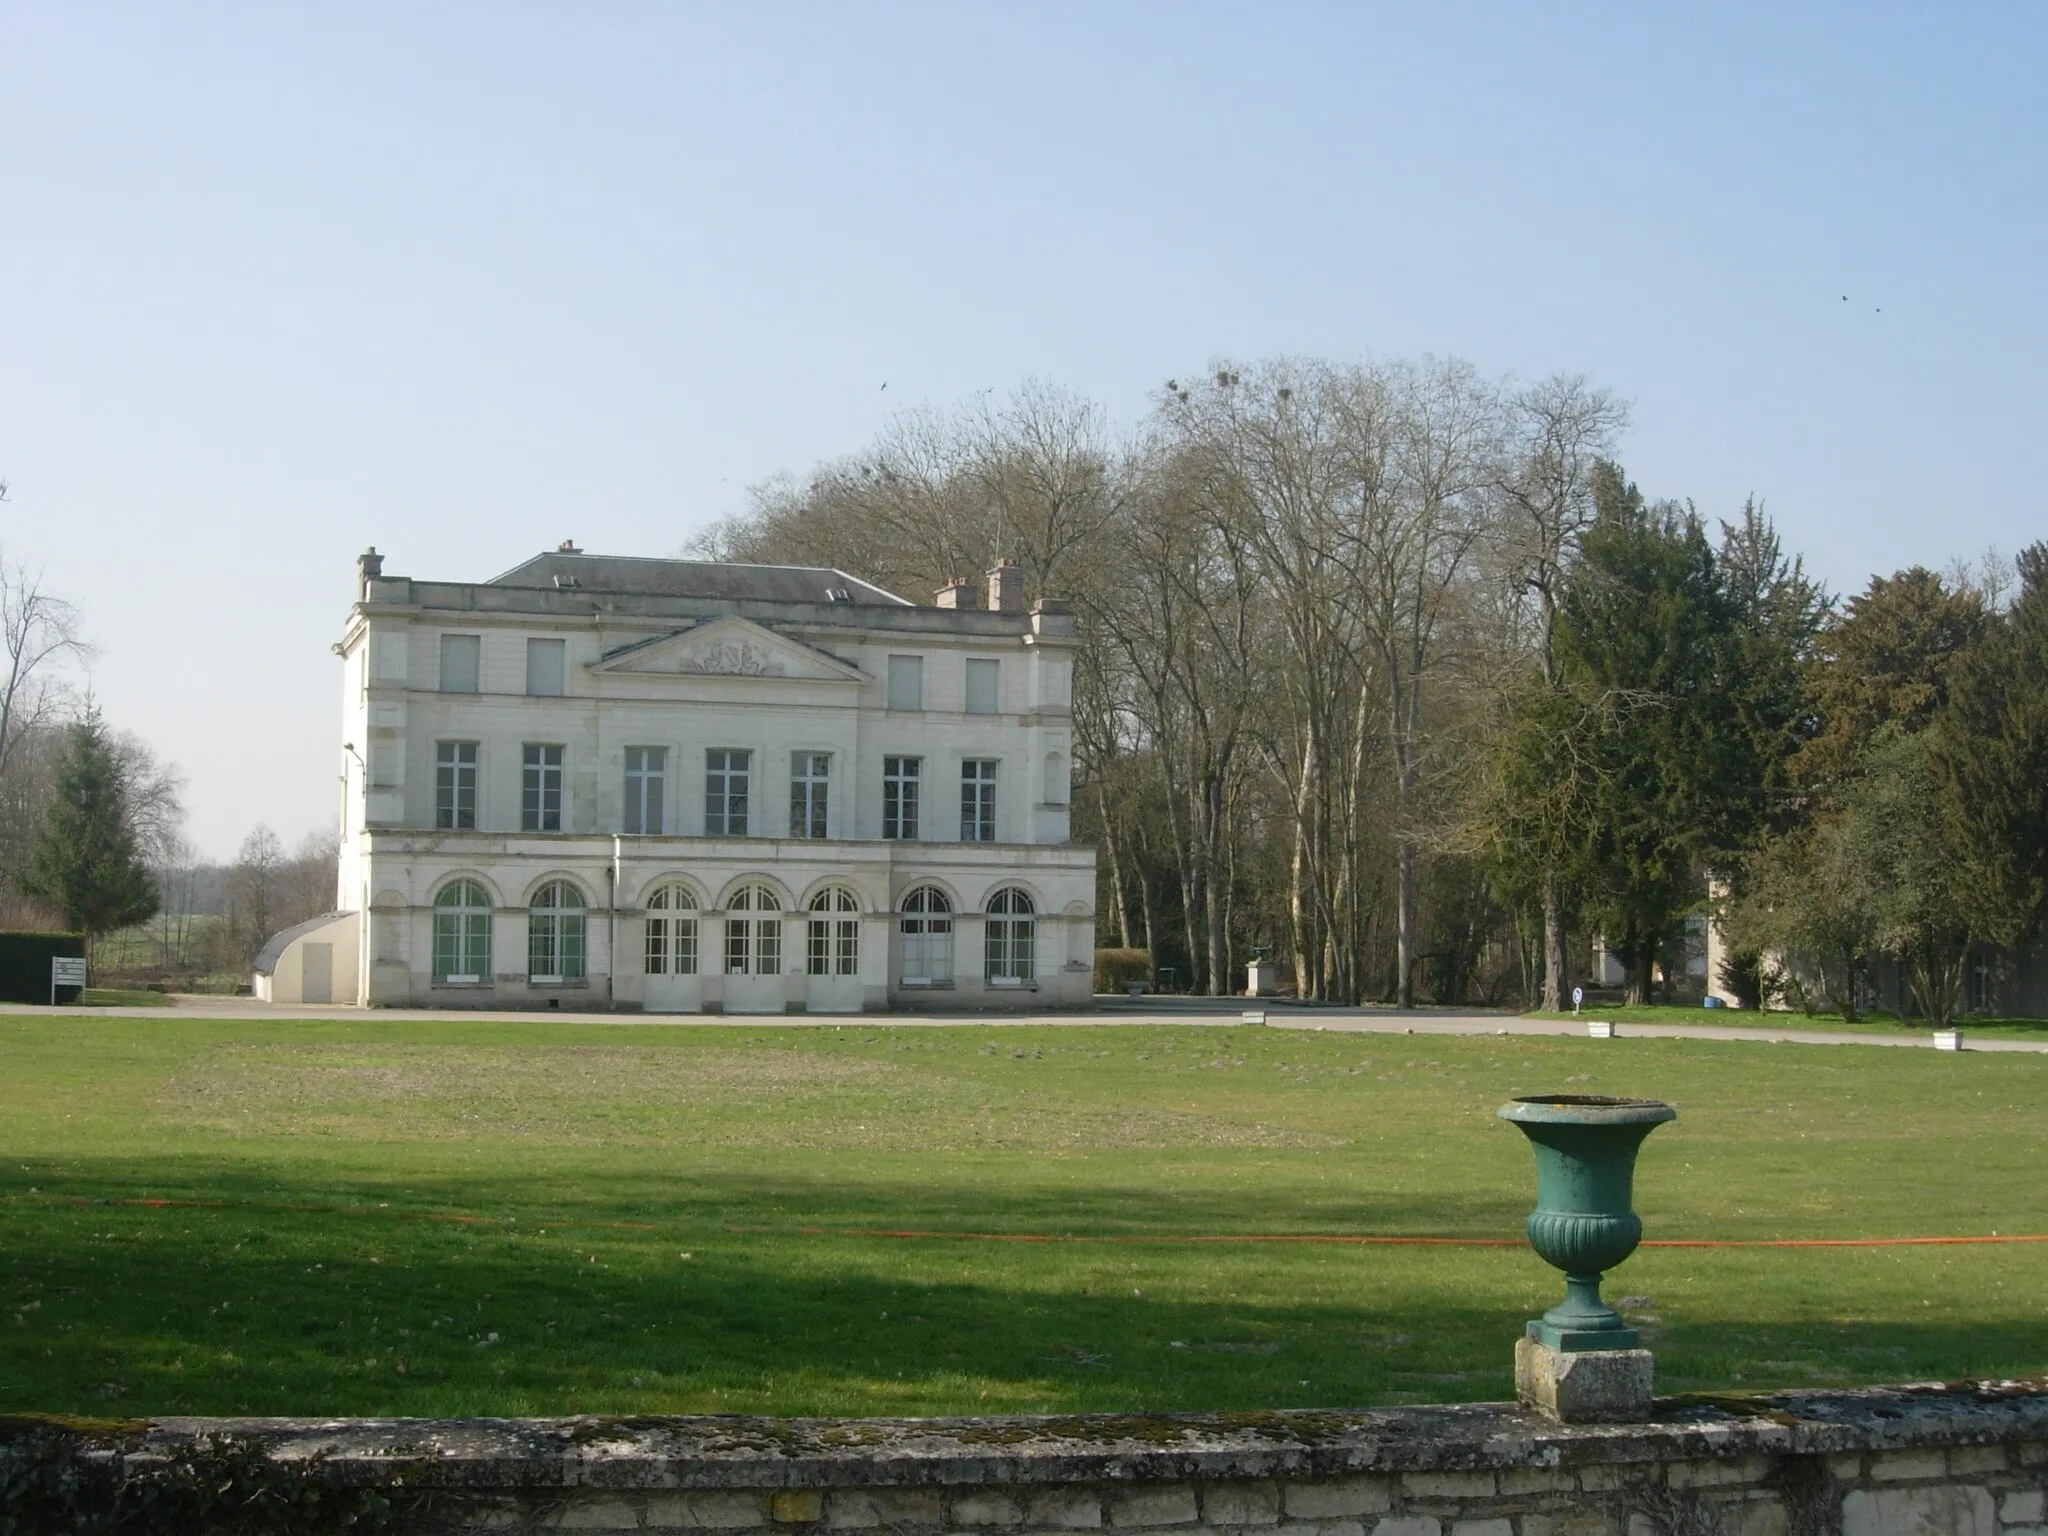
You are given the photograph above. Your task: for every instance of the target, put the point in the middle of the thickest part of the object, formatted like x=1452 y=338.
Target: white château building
x=688 y=786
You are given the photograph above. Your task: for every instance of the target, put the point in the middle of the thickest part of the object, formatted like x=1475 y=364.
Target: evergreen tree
x=1888 y=660
x=1881 y=858
x=1992 y=761
x=1659 y=751
x=87 y=863
x=1904 y=835
x=1645 y=629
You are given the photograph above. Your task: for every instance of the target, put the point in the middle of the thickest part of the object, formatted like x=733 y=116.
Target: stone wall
x=1962 y=1460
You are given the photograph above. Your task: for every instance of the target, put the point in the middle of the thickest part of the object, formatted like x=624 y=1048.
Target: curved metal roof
x=274 y=947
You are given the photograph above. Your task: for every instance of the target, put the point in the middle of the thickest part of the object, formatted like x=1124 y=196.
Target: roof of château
x=626 y=575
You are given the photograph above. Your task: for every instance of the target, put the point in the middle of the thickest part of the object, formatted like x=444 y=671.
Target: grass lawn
x=1868 y=1024
x=365 y=1216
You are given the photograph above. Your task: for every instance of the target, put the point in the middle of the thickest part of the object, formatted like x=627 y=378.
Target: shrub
x=1115 y=967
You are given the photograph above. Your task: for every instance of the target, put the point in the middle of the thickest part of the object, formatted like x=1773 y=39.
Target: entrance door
x=316 y=973
x=752 y=951
x=671 y=950
x=832 y=953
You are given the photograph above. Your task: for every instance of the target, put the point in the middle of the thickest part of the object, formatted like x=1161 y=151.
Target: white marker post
x=1598 y=1029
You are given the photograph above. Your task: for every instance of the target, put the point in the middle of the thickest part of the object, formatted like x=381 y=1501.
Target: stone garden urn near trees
x=1579 y=1362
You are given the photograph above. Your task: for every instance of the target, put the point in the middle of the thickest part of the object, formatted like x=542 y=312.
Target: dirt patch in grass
x=603 y=1094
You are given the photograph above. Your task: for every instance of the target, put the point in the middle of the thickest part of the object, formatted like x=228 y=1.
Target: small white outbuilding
x=314 y=962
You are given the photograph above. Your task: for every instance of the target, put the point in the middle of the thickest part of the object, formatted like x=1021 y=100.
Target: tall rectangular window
x=906 y=682
x=810 y=780
x=978 y=800
x=540 y=803
x=461 y=665
x=725 y=792
x=899 y=797
x=646 y=769
x=546 y=666
x=982 y=677
x=454 y=784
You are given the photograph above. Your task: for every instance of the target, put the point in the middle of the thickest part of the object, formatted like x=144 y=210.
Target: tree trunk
x=1297 y=916
x=1217 y=981
x=1116 y=877
x=1406 y=711
x=1404 y=942
x=1185 y=867
x=1642 y=960
x=1553 y=946
x=1145 y=904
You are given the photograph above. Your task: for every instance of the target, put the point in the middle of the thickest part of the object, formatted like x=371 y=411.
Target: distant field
x=364 y=1216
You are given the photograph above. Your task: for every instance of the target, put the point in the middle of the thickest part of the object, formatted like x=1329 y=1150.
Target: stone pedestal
x=1261 y=979
x=1592 y=1386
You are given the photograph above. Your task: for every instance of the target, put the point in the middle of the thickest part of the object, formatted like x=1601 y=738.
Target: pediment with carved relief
x=729 y=647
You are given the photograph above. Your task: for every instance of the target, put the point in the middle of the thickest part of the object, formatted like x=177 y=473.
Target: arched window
x=834 y=947
x=753 y=945
x=1012 y=939
x=462 y=933
x=671 y=936
x=927 y=924
x=555 y=934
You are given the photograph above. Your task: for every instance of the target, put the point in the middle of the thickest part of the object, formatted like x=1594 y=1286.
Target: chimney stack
x=369 y=566
x=567 y=547
x=959 y=593
x=1006 y=588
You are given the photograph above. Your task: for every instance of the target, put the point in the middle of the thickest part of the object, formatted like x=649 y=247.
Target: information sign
x=66 y=971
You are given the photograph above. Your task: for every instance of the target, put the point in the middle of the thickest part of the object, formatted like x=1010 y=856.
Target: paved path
x=1173 y=1010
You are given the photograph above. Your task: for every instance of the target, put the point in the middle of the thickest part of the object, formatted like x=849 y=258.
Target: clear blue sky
x=280 y=281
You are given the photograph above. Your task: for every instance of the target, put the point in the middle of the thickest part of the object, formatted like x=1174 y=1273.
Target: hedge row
x=1114 y=967
x=25 y=965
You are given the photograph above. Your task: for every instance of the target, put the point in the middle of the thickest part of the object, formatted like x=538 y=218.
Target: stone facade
x=1932 y=1461
x=503 y=735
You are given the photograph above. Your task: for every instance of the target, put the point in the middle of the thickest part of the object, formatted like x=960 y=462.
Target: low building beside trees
x=694 y=786
x=1996 y=981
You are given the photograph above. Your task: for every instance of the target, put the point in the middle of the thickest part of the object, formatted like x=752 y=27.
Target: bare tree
x=39 y=639
x=1410 y=548
x=1562 y=428
x=253 y=892
x=38 y=635
x=1300 y=588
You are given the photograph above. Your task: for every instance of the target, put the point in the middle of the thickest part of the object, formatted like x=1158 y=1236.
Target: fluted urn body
x=1585 y=1221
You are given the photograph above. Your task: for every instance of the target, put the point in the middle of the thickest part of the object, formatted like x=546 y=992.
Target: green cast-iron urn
x=1585 y=1222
